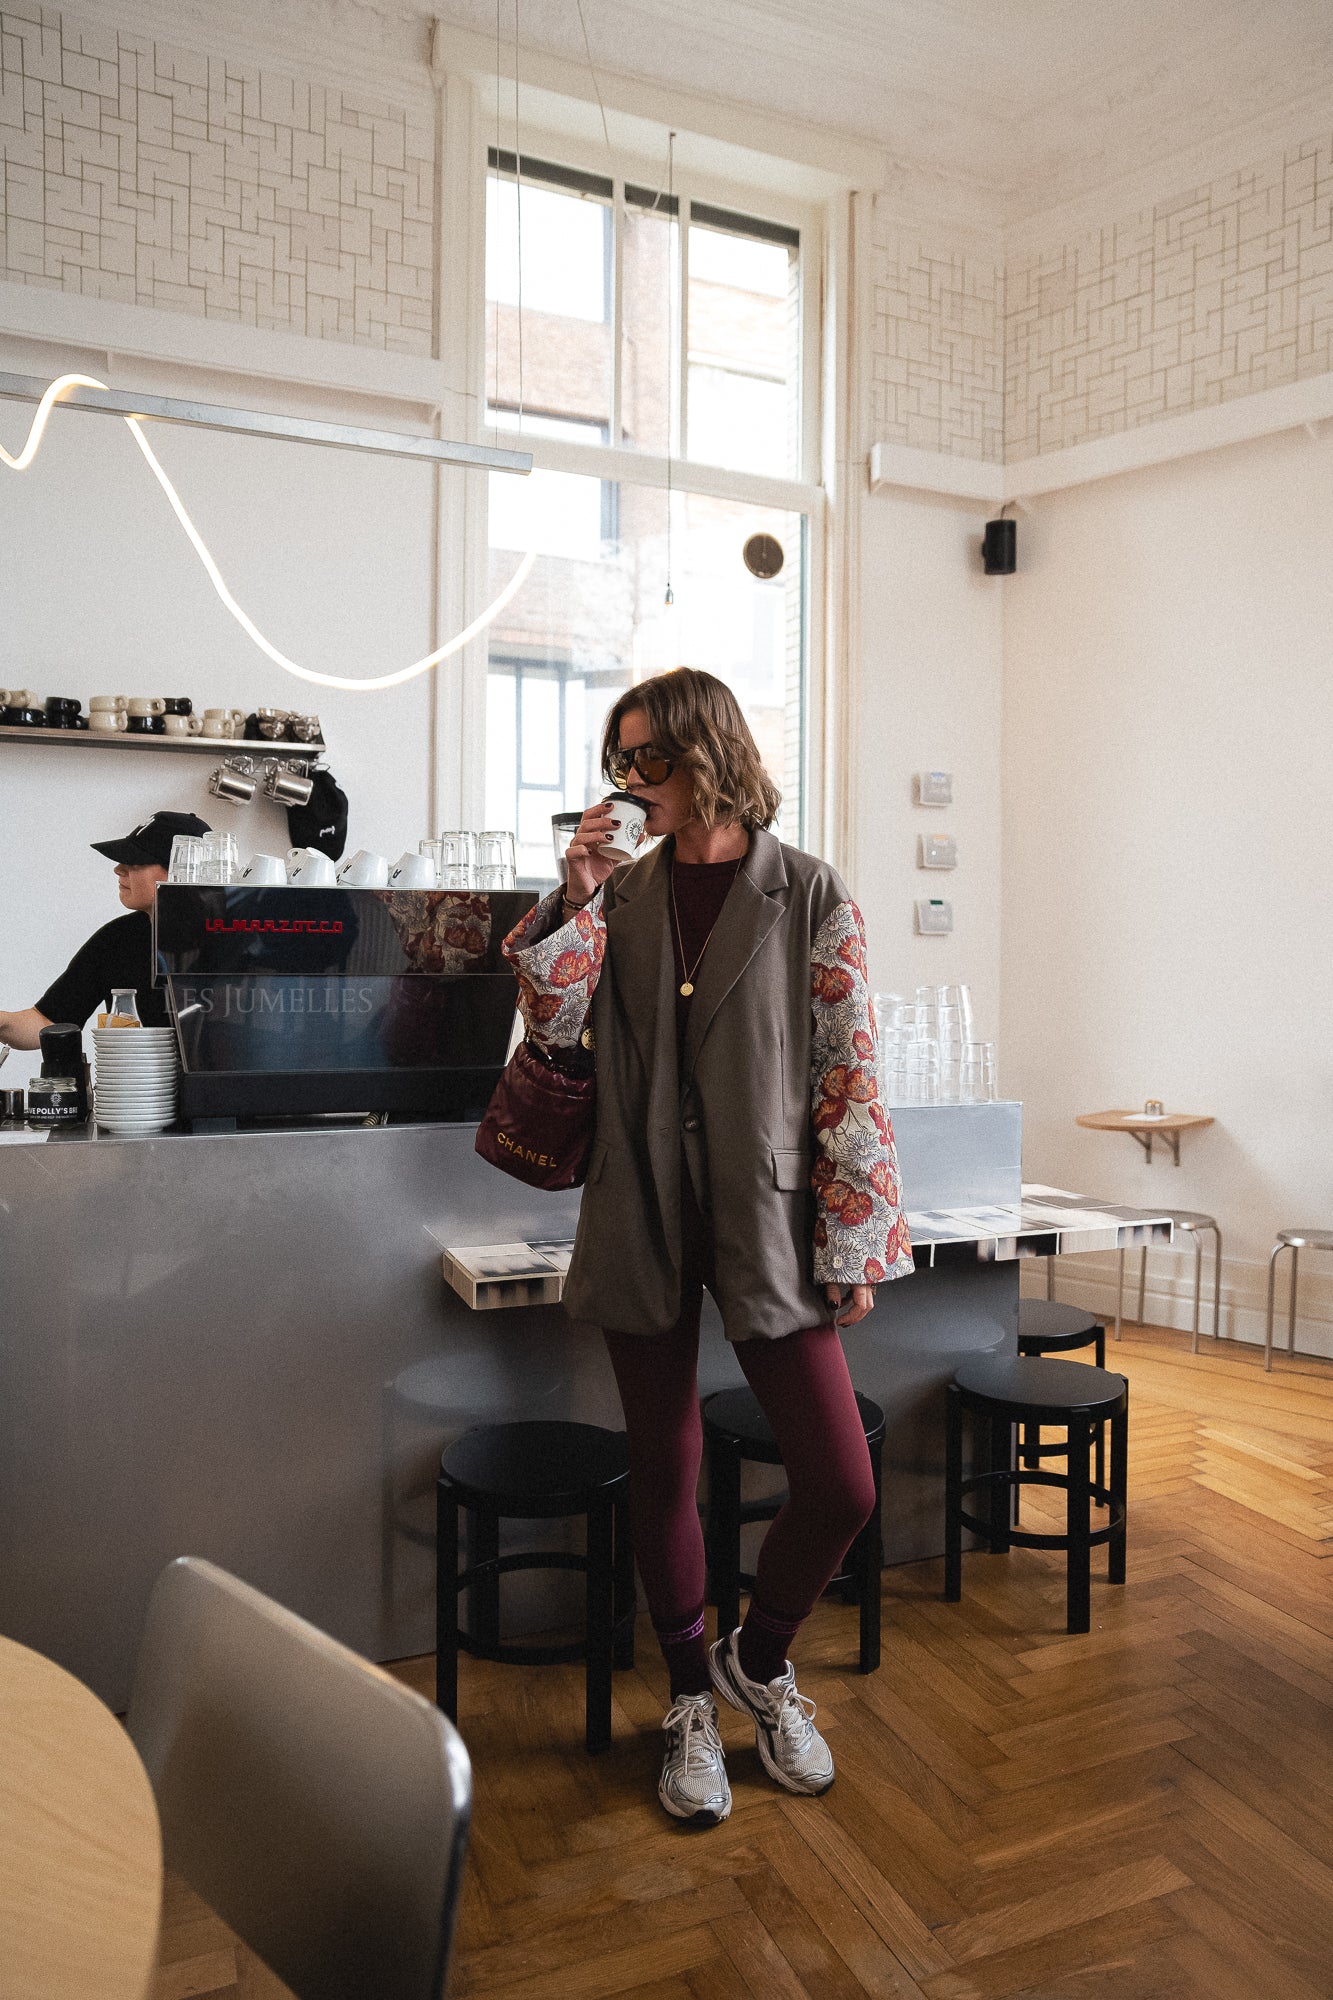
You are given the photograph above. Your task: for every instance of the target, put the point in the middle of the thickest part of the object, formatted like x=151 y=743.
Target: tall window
x=655 y=372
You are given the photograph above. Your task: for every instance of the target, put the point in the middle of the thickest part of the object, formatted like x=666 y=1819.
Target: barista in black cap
x=121 y=953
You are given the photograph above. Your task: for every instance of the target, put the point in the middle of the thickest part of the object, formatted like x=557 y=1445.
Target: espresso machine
x=291 y=1003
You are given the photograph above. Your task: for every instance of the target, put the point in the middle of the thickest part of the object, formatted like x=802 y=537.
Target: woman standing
x=741 y=1145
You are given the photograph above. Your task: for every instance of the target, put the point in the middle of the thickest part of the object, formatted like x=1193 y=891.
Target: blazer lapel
x=756 y=903
x=636 y=938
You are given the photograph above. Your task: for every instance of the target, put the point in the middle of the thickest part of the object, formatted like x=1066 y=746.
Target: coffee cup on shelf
x=265 y=871
x=310 y=868
x=627 y=838
x=62 y=711
x=182 y=725
x=145 y=715
x=18 y=698
x=108 y=721
x=102 y=704
x=222 y=722
x=177 y=704
x=364 y=870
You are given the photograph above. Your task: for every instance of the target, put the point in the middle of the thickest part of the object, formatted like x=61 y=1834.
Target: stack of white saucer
x=135 y=1078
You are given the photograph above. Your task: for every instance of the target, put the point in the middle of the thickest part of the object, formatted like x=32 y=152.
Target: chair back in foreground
x=319 y=1806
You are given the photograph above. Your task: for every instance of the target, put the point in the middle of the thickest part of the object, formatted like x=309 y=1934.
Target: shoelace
x=796 y=1718
x=691 y=1717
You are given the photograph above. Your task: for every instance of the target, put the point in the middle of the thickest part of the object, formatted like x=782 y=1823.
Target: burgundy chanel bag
x=539 y=1123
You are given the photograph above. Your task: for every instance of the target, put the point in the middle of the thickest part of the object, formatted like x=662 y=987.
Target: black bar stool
x=1047 y=1328
x=535 y=1472
x=736 y=1430
x=1002 y=1391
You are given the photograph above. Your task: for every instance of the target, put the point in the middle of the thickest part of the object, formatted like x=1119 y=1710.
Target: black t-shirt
x=120 y=954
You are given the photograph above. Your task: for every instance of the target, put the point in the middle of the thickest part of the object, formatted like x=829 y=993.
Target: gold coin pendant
x=686 y=989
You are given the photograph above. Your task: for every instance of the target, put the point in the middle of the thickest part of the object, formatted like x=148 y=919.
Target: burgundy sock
x=686 y=1655
x=764 y=1643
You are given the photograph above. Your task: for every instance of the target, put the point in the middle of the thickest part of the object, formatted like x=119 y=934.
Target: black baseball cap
x=149 y=845
x=322 y=821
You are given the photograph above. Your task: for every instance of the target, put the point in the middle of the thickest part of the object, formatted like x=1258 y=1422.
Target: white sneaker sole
x=701 y=1817
x=808 y=1788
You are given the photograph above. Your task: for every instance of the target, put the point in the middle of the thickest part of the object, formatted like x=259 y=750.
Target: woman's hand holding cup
x=589 y=859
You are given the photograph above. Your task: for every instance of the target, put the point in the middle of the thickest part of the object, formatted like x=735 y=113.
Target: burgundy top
x=700 y=888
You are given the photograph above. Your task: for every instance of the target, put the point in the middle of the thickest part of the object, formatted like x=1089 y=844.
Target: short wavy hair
x=696 y=720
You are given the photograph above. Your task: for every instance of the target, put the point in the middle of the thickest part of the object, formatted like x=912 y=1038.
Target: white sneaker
x=790 y=1748
x=693 y=1785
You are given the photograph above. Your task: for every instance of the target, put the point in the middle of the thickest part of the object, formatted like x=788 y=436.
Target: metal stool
x=1002 y=1391
x=736 y=1429
x=1190 y=1222
x=1294 y=1240
x=535 y=1472
x=1047 y=1328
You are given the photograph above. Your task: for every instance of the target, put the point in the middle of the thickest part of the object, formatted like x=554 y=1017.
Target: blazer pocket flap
x=791 y=1172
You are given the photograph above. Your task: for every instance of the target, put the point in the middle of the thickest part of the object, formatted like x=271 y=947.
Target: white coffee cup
x=310 y=868
x=266 y=871
x=223 y=722
x=21 y=698
x=108 y=721
x=101 y=703
x=627 y=838
x=413 y=871
x=146 y=704
x=182 y=725
x=364 y=870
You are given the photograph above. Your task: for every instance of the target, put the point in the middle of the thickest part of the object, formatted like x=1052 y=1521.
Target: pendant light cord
x=518 y=214
x=673 y=361
x=518 y=217
x=669 y=597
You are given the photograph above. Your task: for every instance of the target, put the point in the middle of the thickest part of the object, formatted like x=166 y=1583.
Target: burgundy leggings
x=805 y=1392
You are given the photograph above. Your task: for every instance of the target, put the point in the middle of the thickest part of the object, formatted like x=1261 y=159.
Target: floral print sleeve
x=860 y=1229
x=557 y=966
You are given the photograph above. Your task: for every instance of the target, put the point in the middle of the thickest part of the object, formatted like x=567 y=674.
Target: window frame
x=618 y=464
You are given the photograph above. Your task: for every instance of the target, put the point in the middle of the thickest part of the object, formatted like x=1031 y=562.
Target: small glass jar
x=53 y=1100
x=124 y=1012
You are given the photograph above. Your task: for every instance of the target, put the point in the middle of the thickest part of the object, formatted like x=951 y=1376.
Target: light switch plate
x=934 y=917
x=933 y=788
x=936 y=850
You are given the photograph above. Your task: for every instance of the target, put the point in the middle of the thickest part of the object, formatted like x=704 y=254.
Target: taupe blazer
x=773 y=1111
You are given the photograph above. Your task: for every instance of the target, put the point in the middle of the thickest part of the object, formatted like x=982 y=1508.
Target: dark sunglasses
x=650 y=764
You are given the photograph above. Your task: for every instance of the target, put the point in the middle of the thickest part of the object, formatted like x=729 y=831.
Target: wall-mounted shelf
x=1146 y=1127
x=197 y=746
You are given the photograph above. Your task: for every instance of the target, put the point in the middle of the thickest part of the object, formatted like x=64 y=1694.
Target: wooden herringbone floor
x=1144 y=1813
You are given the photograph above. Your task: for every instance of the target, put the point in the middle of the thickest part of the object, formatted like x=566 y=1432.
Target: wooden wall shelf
x=1145 y=1128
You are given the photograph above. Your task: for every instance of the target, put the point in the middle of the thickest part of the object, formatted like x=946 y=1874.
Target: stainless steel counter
x=241 y=1346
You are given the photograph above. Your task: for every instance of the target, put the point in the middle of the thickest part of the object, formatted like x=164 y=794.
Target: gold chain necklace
x=687 y=984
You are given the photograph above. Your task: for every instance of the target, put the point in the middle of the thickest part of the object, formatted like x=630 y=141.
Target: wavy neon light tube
x=215 y=577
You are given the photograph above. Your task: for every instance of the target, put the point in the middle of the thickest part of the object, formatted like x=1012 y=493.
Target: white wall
x=1168 y=915
x=332 y=553
x=929 y=698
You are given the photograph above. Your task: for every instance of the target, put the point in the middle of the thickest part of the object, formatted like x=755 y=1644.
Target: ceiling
x=998 y=111
x=1035 y=102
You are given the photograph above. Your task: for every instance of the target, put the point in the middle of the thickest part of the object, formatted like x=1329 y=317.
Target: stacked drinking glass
x=927 y=1054
x=465 y=860
x=135 y=1087
x=212 y=857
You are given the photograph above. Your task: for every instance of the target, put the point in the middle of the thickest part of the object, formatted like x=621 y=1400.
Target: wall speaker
x=999 y=548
